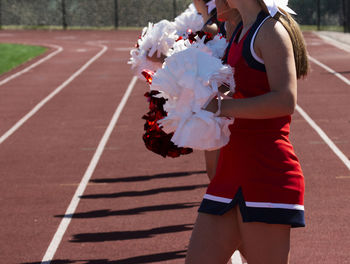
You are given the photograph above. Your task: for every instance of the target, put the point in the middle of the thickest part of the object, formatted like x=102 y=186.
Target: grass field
x=13 y=55
x=323 y=28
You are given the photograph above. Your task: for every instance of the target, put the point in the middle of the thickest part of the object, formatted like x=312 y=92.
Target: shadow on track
x=336 y=72
x=153 y=258
x=148 y=177
x=133 y=211
x=143 y=193
x=127 y=235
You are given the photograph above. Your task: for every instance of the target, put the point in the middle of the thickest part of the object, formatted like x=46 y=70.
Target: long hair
x=299 y=47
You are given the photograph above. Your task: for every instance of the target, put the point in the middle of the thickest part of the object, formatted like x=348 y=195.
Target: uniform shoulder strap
x=238 y=27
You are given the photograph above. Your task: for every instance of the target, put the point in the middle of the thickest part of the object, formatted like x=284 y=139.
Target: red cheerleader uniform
x=258 y=169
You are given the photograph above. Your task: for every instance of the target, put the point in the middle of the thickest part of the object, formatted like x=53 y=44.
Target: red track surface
x=139 y=207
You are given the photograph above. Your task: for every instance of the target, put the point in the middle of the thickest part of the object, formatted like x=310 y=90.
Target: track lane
x=325 y=98
x=51 y=251
x=335 y=57
x=20 y=95
x=326 y=236
x=53 y=51
x=47 y=99
x=138 y=207
x=49 y=155
x=101 y=243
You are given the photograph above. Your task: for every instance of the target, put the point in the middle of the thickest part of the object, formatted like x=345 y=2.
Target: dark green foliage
x=88 y=13
x=331 y=12
x=137 y=13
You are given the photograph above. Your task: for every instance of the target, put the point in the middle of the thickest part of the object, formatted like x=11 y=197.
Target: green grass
x=130 y=28
x=13 y=55
x=23 y=27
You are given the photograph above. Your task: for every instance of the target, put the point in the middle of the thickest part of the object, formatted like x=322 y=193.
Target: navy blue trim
x=238 y=27
x=247 y=55
x=222 y=29
x=294 y=218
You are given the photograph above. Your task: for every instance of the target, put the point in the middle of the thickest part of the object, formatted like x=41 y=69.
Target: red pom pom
x=148 y=74
x=179 y=39
x=192 y=36
x=156 y=140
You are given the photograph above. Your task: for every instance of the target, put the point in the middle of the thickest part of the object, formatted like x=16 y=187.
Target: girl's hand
x=224 y=88
x=154 y=58
x=212 y=106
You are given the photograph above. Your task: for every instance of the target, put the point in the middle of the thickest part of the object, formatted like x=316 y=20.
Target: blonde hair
x=299 y=47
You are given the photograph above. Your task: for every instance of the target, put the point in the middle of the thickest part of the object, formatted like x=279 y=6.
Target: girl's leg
x=214 y=239
x=265 y=243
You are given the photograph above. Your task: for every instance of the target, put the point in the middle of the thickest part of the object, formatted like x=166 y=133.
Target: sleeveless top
x=259 y=161
x=251 y=78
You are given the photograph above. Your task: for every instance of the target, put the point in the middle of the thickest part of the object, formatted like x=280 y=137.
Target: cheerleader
x=207 y=9
x=230 y=18
x=257 y=193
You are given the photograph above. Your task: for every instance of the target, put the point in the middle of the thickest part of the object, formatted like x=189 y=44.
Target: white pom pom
x=140 y=62
x=203 y=131
x=189 y=19
x=218 y=46
x=189 y=79
x=158 y=38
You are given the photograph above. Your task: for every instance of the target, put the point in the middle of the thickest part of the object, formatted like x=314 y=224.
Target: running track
x=63 y=125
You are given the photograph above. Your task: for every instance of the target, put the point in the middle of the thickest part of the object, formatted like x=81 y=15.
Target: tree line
x=323 y=12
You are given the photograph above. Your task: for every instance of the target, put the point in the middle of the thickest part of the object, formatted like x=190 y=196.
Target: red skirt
x=259 y=171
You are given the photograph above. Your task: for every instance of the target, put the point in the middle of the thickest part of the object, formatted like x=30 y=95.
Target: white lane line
x=313 y=124
x=330 y=70
x=86 y=178
x=17 y=74
x=50 y=96
x=337 y=74
x=324 y=136
x=333 y=41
